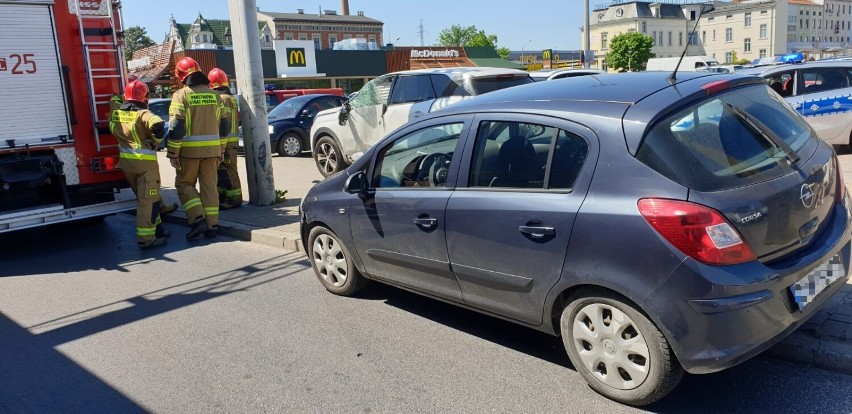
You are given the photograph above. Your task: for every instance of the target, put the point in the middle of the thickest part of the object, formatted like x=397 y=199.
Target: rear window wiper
x=767 y=134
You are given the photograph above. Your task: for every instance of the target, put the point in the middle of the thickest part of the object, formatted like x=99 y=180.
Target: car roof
x=760 y=70
x=157 y=100
x=464 y=72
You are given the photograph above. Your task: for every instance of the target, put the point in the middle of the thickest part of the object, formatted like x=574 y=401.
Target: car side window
x=824 y=79
x=271 y=101
x=160 y=109
x=325 y=103
x=375 y=92
x=782 y=83
x=419 y=159
x=511 y=155
x=415 y=88
x=446 y=87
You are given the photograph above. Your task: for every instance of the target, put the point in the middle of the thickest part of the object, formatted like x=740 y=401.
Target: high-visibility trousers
x=231 y=187
x=144 y=178
x=206 y=204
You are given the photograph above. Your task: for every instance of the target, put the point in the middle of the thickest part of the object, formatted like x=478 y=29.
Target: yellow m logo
x=296 y=57
x=545 y=54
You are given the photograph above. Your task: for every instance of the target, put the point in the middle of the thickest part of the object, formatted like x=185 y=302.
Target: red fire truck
x=60 y=62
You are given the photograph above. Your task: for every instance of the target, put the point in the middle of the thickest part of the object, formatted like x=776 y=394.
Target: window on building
x=654 y=36
x=288 y=37
x=748 y=20
x=714 y=35
x=692 y=15
x=303 y=37
x=644 y=27
x=371 y=38
x=317 y=43
x=747 y=45
x=729 y=57
x=729 y=35
x=729 y=17
x=704 y=36
x=604 y=41
x=680 y=38
x=763 y=31
x=332 y=39
x=670 y=38
x=762 y=53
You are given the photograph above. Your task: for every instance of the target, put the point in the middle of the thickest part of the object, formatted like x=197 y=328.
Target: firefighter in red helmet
x=230 y=188
x=138 y=132
x=198 y=124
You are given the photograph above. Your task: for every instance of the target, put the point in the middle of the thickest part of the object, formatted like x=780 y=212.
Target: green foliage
x=629 y=51
x=135 y=38
x=503 y=52
x=280 y=196
x=736 y=61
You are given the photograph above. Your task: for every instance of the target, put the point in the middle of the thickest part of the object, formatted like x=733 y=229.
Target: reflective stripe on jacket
x=132 y=129
x=201 y=109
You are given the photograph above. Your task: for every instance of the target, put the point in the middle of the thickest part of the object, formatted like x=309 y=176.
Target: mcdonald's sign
x=296 y=57
x=545 y=54
x=547 y=58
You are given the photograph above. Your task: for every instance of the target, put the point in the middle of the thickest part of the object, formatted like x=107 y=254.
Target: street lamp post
x=522 y=50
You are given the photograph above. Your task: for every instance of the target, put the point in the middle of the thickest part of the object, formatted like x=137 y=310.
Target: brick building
x=324 y=29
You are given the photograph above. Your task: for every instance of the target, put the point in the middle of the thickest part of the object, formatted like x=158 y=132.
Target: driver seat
x=517 y=163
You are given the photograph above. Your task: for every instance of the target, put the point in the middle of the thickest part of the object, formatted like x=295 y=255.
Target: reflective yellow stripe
x=174 y=144
x=234 y=192
x=146 y=231
x=195 y=202
x=197 y=144
x=138 y=157
x=211 y=211
x=233 y=139
x=153 y=120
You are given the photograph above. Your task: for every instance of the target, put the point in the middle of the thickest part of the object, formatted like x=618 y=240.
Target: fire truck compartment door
x=32 y=101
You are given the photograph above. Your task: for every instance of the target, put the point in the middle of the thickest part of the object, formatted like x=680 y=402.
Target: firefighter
x=197 y=124
x=138 y=132
x=229 y=188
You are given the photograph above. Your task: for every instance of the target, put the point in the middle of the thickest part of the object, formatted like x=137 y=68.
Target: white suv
x=340 y=136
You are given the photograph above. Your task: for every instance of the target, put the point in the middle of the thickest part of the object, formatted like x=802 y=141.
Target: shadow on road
x=36 y=377
x=762 y=384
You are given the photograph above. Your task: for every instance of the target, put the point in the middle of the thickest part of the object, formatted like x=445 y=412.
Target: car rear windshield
x=485 y=85
x=728 y=140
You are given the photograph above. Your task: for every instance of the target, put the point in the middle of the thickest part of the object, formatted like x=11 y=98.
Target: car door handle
x=537 y=231
x=425 y=222
x=416 y=114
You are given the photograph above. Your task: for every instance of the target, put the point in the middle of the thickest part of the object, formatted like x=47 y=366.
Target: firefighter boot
x=159 y=241
x=162 y=232
x=211 y=232
x=198 y=227
x=167 y=208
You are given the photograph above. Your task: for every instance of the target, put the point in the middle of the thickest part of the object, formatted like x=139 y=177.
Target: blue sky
x=539 y=25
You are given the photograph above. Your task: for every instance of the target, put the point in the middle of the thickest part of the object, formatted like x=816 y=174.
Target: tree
x=469 y=36
x=629 y=51
x=135 y=38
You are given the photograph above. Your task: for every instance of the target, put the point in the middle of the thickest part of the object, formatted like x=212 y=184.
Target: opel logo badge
x=807 y=196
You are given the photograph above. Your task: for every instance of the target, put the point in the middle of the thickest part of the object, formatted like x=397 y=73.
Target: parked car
x=820 y=91
x=275 y=96
x=551 y=74
x=160 y=107
x=290 y=121
x=657 y=228
x=339 y=137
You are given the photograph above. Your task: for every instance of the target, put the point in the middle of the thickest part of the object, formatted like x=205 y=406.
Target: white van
x=689 y=63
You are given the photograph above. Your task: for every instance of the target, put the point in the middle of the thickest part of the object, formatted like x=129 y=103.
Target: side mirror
x=306 y=113
x=343 y=114
x=384 y=108
x=356 y=183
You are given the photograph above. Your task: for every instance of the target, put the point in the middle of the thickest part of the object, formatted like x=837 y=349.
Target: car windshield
x=287 y=109
x=727 y=140
x=485 y=85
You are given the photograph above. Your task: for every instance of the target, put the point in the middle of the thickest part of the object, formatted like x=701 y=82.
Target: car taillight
x=105 y=164
x=840 y=194
x=698 y=231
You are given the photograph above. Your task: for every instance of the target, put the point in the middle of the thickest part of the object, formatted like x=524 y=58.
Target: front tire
x=618 y=350
x=289 y=145
x=328 y=156
x=332 y=263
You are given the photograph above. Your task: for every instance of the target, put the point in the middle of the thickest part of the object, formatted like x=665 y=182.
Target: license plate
x=809 y=287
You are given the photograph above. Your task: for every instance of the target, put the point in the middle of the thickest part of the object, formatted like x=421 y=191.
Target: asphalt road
x=88 y=323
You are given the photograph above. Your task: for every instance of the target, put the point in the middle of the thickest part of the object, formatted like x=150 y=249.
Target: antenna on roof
x=703 y=8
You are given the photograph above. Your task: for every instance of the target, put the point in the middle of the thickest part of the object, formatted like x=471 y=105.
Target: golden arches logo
x=545 y=54
x=296 y=57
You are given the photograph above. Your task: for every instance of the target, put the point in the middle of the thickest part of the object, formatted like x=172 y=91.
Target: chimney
x=300 y=11
x=344 y=7
x=360 y=13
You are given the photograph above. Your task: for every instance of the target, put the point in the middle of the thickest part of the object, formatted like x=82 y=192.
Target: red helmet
x=218 y=78
x=185 y=66
x=136 y=91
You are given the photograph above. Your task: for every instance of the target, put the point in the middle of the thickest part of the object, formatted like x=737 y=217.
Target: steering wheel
x=434 y=168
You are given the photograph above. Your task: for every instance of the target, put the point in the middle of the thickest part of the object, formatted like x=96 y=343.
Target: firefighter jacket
x=231 y=108
x=138 y=132
x=196 y=115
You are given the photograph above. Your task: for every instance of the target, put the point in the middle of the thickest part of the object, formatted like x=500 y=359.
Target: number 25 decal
x=21 y=61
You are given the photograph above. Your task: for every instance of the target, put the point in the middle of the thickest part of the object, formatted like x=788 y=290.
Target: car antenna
x=704 y=8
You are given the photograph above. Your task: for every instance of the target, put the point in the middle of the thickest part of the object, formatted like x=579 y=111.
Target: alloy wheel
x=327 y=158
x=330 y=260
x=611 y=346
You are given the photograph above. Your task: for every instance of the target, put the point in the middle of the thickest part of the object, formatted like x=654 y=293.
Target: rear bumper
x=724 y=315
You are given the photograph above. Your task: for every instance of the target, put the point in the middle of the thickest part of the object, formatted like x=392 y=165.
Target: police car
x=820 y=91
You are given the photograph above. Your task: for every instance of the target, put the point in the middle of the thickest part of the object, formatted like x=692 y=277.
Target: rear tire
x=619 y=352
x=289 y=145
x=332 y=263
x=328 y=157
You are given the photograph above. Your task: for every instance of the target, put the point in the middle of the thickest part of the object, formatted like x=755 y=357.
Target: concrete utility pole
x=249 y=68
x=586 y=34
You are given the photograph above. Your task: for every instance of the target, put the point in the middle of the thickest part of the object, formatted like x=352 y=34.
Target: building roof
x=329 y=18
x=488 y=57
x=153 y=61
x=221 y=30
x=803 y=3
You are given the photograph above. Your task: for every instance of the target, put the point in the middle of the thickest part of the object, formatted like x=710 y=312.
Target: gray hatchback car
x=657 y=227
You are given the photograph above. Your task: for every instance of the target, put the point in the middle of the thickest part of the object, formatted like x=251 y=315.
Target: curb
x=803 y=348
x=290 y=242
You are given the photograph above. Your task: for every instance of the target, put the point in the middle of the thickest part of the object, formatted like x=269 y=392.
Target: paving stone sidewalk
x=825 y=341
